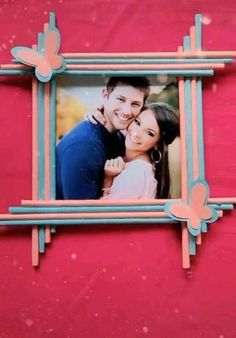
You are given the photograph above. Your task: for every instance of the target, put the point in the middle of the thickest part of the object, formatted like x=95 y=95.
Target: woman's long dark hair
x=168 y=123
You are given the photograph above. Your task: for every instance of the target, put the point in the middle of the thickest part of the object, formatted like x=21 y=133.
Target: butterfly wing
x=51 y=47
x=199 y=195
x=33 y=58
x=180 y=210
x=27 y=56
x=183 y=211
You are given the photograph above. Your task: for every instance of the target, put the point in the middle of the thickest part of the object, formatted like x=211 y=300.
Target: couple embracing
x=124 y=155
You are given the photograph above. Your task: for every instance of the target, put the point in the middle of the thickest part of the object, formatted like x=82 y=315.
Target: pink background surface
x=124 y=281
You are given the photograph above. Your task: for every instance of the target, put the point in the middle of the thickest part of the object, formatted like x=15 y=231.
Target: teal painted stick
x=200 y=130
x=53 y=142
x=199 y=72
x=41 y=239
x=90 y=221
x=222 y=206
x=52 y=20
x=16 y=72
x=200 y=138
x=186 y=43
x=188 y=113
x=53 y=137
x=204 y=227
x=145 y=61
x=70 y=209
x=41 y=158
x=192 y=245
x=198 y=25
x=40 y=210
x=41 y=150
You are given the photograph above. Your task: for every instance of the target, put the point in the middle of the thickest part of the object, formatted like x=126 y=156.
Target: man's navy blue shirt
x=81 y=155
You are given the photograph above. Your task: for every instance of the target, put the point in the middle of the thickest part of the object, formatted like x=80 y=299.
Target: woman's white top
x=136 y=181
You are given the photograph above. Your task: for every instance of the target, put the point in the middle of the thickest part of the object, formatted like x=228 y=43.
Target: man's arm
x=80 y=171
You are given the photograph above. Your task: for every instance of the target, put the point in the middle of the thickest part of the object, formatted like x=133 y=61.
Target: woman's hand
x=114 y=167
x=96 y=116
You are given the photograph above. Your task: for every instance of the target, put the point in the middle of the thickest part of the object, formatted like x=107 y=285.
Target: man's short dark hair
x=139 y=82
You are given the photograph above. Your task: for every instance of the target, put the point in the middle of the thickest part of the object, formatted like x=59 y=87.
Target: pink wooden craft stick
x=147 y=66
x=35 y=233
x=47 y=139
x=83 y=215
x=195 y=137
x=47 y=170
x=220 y=213
x=179 y=54
x=194 y=113
x=15 y=66
x=185 y=66
x=35 y=245
x=185 y=247
x=47 y=152
x=62 y=203
x=184 y=175
x=194 y=119
x=92 y=202
x=193 y=39
x=222 y=200
x=45 y=27
x=47 y=132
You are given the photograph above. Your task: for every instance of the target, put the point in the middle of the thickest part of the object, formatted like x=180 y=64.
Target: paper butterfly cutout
x=196 y=213
x=46 y=62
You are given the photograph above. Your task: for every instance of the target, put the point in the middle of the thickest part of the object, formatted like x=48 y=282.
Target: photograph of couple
x=124 y=146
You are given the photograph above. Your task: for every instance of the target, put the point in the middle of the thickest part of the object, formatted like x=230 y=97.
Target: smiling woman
x=121 y=102
x=145 y=173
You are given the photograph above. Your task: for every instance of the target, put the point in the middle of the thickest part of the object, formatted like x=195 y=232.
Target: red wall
x=125 y=281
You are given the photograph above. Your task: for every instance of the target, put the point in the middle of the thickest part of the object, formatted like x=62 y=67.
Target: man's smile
x=122 y=118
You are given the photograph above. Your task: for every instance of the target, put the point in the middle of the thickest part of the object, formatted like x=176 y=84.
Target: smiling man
x=81 y=154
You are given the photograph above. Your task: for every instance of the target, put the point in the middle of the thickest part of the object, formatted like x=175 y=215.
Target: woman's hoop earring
x=156 y=156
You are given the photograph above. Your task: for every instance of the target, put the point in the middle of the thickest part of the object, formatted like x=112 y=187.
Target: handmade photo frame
x=193 y=209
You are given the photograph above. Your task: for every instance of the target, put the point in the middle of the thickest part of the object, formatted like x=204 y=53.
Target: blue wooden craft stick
x=108 y=208
x=53 y=138
x=69 y=209
x=16 y=71
x=53 y=143
x=204 y=227
x=200 y=130
x=41 y=144
x=198 y=25
x=52 y=20
x=41 y=151
x=188 y=113
x=189 y=145
x=192 y=244
x=198 y=72
x=41 y=238
x=89 y=221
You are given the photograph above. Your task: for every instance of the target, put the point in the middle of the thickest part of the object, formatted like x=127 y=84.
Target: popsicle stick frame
x=194 y=209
